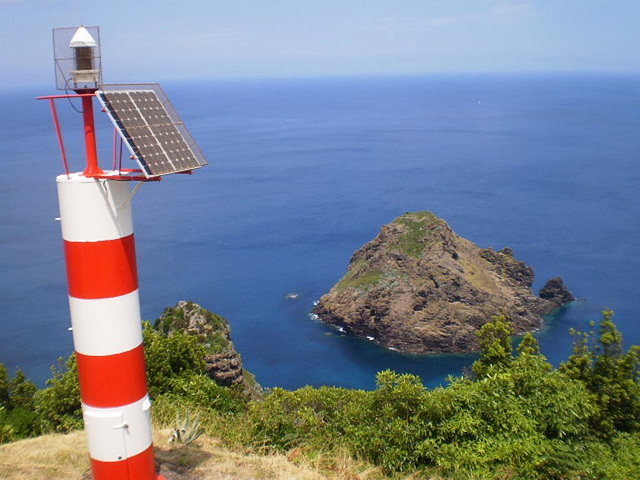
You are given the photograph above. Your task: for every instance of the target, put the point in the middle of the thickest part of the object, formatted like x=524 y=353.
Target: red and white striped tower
x=97 y=229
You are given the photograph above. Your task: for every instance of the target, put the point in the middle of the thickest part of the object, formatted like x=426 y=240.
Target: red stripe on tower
x=101 y=269
x=138 y=466
x=97 y=229
x=102 y=378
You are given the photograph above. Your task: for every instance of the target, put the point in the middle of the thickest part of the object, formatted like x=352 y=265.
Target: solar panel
x=151 y=128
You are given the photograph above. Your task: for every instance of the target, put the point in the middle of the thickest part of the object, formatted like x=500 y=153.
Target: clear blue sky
x=165 y=40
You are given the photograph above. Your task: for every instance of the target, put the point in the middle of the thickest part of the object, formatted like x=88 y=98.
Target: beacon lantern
x=99 y=247
x=77 y=58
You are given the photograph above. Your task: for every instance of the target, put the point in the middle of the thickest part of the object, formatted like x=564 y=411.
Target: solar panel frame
x=151 y=128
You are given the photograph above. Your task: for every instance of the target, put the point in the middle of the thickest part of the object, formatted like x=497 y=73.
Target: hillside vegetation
x=512 y=416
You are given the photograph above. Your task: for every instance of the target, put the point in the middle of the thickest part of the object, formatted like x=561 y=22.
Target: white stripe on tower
x=97 y=229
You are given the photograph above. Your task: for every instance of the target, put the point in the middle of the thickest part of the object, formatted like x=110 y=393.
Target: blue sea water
x=303 y=172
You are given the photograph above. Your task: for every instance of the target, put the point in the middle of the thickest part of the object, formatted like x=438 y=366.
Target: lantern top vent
x=82 y=38
x=77 y=58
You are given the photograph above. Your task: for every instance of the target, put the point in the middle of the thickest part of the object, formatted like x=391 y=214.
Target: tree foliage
x=168 y=357
x=515 y=417
x=175 y=368
x=599 y=362
x=17 y=417
x=496 y=350
x=59 y=404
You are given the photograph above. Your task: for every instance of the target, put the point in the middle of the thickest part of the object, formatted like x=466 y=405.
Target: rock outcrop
x=556 y=292
x=418 y=287
x=223 y=363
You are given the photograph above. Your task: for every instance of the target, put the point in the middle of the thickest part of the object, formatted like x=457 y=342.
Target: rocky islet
x=418 y=287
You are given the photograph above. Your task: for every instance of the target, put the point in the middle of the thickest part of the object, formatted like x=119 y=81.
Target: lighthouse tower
x=99 y=248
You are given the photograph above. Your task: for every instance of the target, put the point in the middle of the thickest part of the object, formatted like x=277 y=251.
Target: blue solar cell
x=160 y=144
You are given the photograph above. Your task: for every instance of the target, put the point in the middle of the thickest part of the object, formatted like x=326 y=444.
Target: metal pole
x=90 y=138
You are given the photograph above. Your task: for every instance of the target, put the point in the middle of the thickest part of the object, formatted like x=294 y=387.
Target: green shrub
x=170 y=357
x=200 y=390
x=17 y=416
x=59 y=404
x=24 y=422
x=496 y=349
x=600 y=363
x=518 y=417
x=4 y=386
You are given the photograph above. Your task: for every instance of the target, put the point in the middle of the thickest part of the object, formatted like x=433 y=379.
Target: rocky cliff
x=223 y=363
x=418 y=287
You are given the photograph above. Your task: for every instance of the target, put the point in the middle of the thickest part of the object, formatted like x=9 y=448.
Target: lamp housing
x=77 y=58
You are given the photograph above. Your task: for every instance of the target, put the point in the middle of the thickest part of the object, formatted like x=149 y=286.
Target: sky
x=208 y=39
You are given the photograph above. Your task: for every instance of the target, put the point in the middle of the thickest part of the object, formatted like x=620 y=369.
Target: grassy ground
x=65 y=457
x=48 y=457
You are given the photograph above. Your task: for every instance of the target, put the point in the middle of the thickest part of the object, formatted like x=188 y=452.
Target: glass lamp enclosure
x=77 y=58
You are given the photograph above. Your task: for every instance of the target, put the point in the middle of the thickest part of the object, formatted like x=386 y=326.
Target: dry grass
x=208 y=460
x=65 y=457
x=43 y=458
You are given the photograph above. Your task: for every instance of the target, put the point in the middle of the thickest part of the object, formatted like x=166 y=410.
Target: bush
x=170 y=357
x=496 y=350
x=600 y=363
x=4 y=386
x=59 y=405
x=517 y=417
x=17 y=416
x=200 y=390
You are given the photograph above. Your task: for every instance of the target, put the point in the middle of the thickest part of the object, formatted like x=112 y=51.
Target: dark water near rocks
x=303 y=172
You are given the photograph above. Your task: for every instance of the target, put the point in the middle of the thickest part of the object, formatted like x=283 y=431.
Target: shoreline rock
x=556 y=291
x=418 y=287
x=223 y=364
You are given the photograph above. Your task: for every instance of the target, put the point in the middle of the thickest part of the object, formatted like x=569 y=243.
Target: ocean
x=303 y=172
